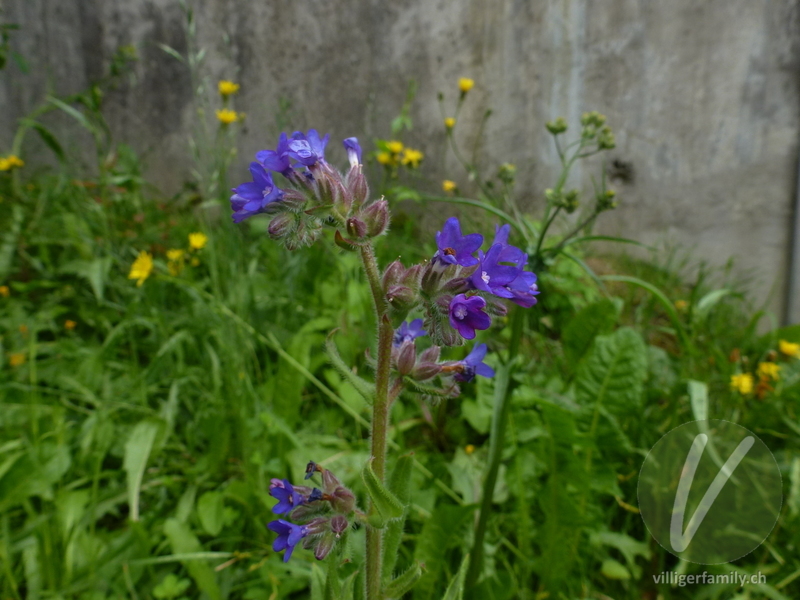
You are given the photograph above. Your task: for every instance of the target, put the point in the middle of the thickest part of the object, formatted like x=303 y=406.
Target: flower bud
x=356 y=228
x=376 y=216
x=293 y=199
x=281 y=225
x=356 y=184
x=329 y=481
x=556 y=127
x=343 y=500
x=411 y=277
x=430 y=354
x=318 y=525
x=406 y=358
x=459 y=285
x=339 y=524
x=393 y=274
x=494 y=307
x=401 y=298
x=425 y=370
x=324 y=546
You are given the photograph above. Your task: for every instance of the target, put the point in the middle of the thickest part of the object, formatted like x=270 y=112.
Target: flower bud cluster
x=315 y=195
x=594 y=128
x=321 y=515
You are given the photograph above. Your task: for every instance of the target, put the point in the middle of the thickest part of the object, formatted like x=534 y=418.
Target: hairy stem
x=380 y=413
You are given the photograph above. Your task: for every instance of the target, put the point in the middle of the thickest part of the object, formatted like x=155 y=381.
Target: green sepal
x=400 y=486
x=365 y=388
x=404 y=582
x=429 y=390
x=385 y=501
x=344 y=243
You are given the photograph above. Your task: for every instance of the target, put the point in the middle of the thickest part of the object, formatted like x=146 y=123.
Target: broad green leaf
x=183 y=541
x=365 y=388
x=137 y=451
x=593 y=320
x=33 y=474
x=400 y=486
x=94 y=271
x=385 y=501
x=211 y=512
x=709 y=301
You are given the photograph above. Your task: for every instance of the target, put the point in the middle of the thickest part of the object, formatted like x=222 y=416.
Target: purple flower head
x=524 y=289
x=466 y=315
x=308 y=149
x=353 y=151
x=289 y=535
x=278 y=159
x=408 y=332
x=454 y=248
x=254 y=196
x=288 y=498
x=500 y=266
x=473 y=365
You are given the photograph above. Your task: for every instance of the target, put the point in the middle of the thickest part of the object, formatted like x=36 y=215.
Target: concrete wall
x=702 y=94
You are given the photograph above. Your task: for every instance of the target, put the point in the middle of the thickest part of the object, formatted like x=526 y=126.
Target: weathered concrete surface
x=703 y=95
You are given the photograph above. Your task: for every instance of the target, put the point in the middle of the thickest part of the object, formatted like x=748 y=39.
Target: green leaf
x=698 y=396
x=709 y=301
x=385 y=501
x=614 y=570
x=47 y=137
x=400 y=486
x=402 y=584
x=183 y=541
x=211 y=512
x=593 y=320
x=455 y=591
x=172 y=52
x=428 y=390
x=171 y=587
x=366 y=389
x=613 y=374
x=137 y=451
x=94 y=271
x=8 y=246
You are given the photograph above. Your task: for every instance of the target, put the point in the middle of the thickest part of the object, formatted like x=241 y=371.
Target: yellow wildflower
x=197 y=241
x=394 y=146
x=226 y=88
x=10 y=162
x=412 y=158
x=227 y=116
x=384 y=158
x=449 y=186
x=769 y=370
x=16 y=360
x=465 y=84
x=175 y=268
x=743 y=383
x=469 y=449
x=4 y=291
x=681 y=305
x=789 y=348
x=69 y=325
x=175 y=253
x=449 y=122
x=195 y=261
x=141 y=267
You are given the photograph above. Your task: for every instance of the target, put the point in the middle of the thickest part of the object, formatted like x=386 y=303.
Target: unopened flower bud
x=425 y=370
x=556 y=127
x=430 y=354
x=357 y=185
x=393 y=274
x=293 y=199
x=339 y=524
x=376 y=216
x=406 y=358
x=496 y=308
x=411 y=277
x=401 y=298
x=318 y=525
x=459 y=285
x=281 y=225
x=329 y=481
x=324 y=546
x=343 y=500
x=356 y=228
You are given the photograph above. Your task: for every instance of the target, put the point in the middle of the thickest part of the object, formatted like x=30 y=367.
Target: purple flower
x=288 y=498
x=499 y=267
x=353 y=151
x=289 y=535
x=308 y=149
x=278 y=159
x=254 y=196
x=455 y=249
x=524 y=289
x=473 y=365
x=466 y=315
x=501 y=234
x=408 y=332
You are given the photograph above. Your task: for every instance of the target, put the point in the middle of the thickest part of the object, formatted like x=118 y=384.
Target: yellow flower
x=449 y=122
x=141 y=267
x=175 y=253
x=465 y=84
x=395 y=147
x=197 y=241
x=69 y=325
x=4 y=291
x=195 y=261
x=16 y=360
x=449 y=186
x=10 y=162
x=769 y=370
x=412 y=158
x=681 y=305
x=175 y=268
x=743 y=383
x=469 y=449
x=226 y=88
x=385 y=158
x=787 y=348
x=227 y=116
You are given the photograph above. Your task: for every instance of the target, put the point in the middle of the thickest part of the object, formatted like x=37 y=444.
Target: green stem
x=380 y=413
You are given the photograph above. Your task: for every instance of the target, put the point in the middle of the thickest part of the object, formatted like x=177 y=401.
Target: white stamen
x=485 y=277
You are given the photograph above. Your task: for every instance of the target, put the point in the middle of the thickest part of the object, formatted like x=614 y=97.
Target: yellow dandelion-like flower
x=227 y=116
x=469 y=449
x=227 y=88
x=449 y=122
x=789 y=348
x=197 y=241
x=412 y=158
x=394 y=147
x=69 y=325
x=769 y=370
x=175 y=268
x=16 y=360
x=385 y=158
x=141 y=267
x=742 y=383
x=175 y=253
x=449 y=186
x=465 y=84
x=11 y=162
x=5 y=292
x=681 y=305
